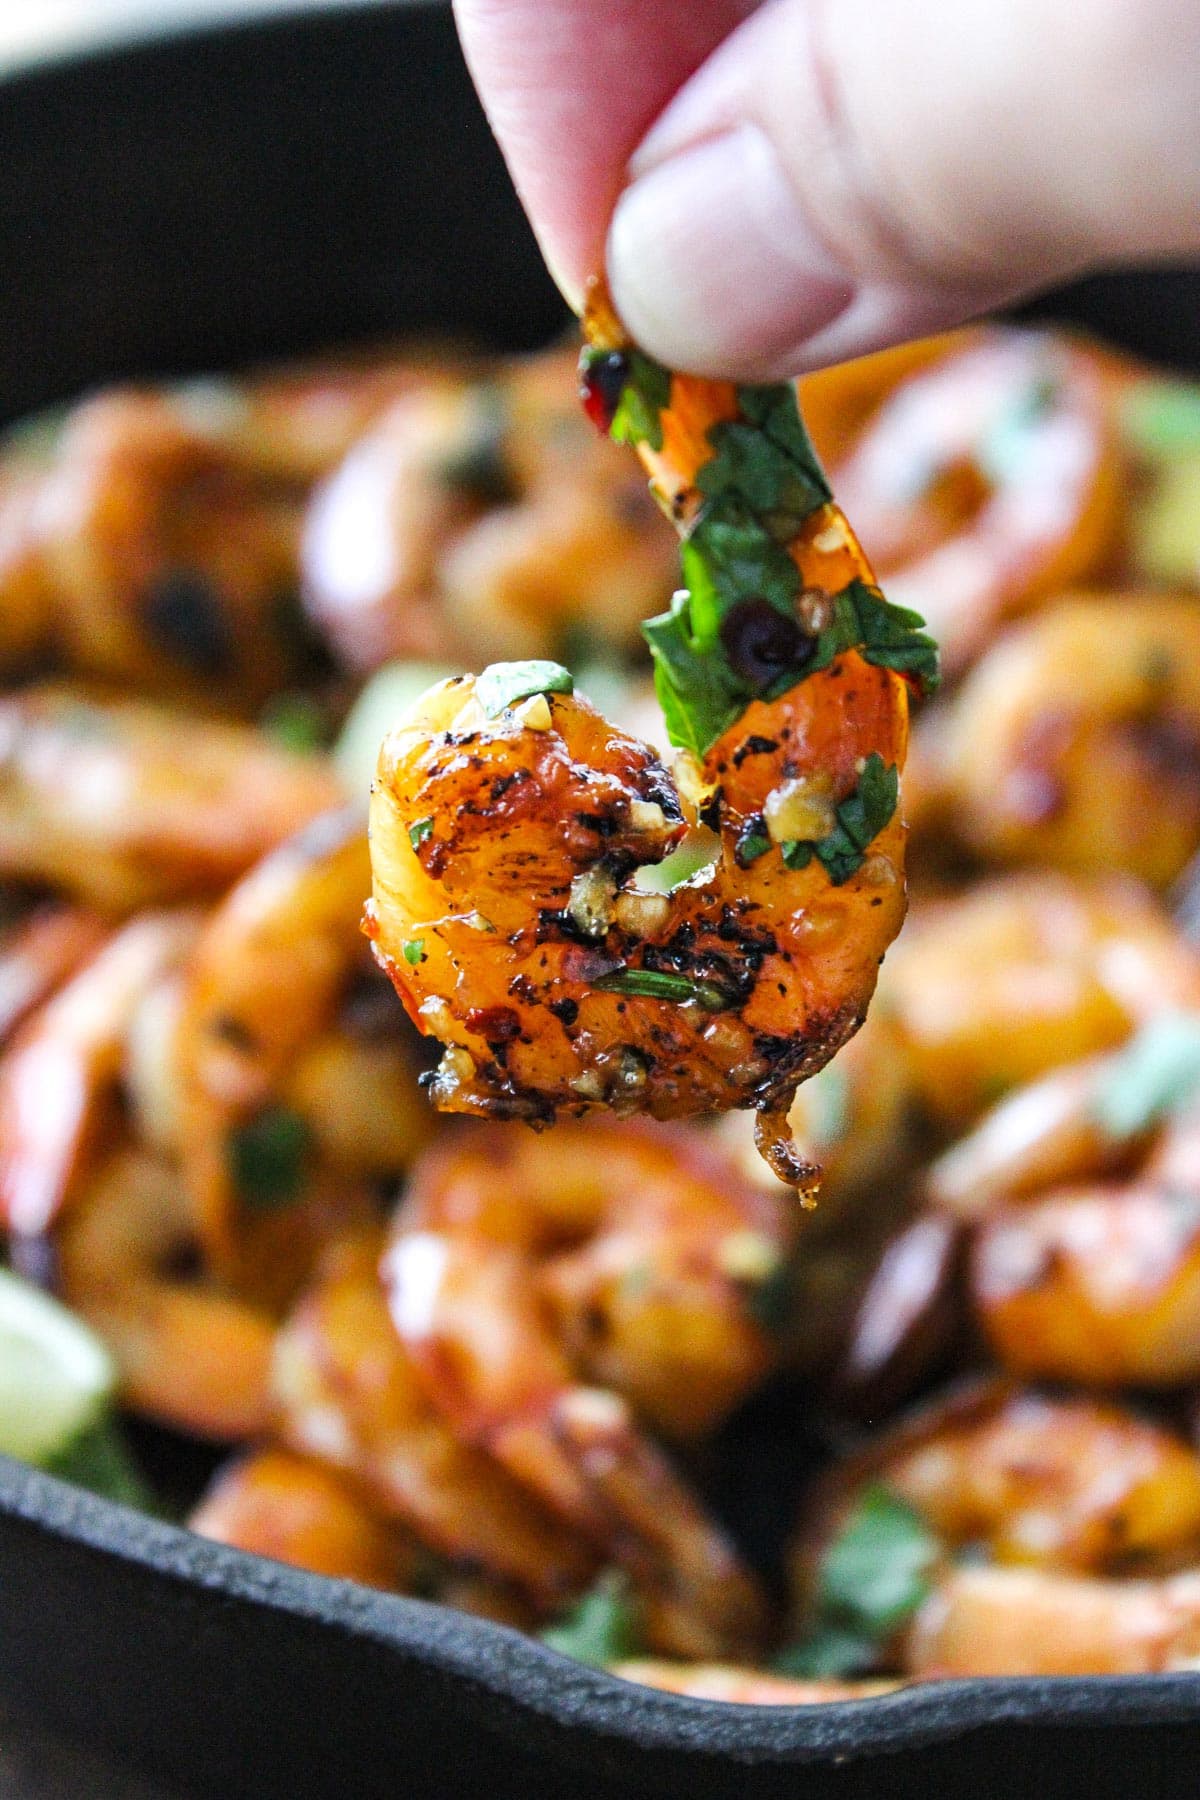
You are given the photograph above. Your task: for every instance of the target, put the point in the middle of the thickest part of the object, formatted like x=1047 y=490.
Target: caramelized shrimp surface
x=509 y=819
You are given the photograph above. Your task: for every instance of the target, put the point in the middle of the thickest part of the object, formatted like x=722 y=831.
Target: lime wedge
x=56 y=1378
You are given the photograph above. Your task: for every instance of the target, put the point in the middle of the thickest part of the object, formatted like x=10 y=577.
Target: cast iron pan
x=197 y=202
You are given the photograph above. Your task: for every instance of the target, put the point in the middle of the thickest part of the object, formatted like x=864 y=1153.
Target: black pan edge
x=514 y=1680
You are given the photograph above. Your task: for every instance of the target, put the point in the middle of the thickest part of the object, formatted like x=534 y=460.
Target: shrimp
x=509 y=819
x=744 y=1687
x=987 y=481
x=992 y=988
x=1075 y=742
x=1069 y=1484
x=520 y=1269
x=657 y=1271
x=289 y=1114
x=188 y=1355
x=1049 y=1132
x=347 y=1393
x=38 y=953
x=297 y=1511
x=124 y=804
x=1099 y=1284
x=60 y=1074
x=168 y=560
x=986 y=1621
x=481 y=518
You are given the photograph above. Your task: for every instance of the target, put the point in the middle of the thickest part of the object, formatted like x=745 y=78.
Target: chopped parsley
x=872 y=1578
x=1155 y=1074
x=504 y=684
x=891 y=637
x=860 y=818
x=414 y=950
x=419 y=831
x=602 y=1628
x=646 y=392
x=268 y=1158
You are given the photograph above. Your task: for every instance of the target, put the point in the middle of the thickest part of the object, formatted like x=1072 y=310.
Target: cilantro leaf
x=602 y=1628
x=647 y=391
x=860 y=817
x=876 y=1572
x=872 y=1578
x=1156 y=1073
x=728 y=558
x=268 y=1158
x=99 y=1460
x=889 y=636
x=699 y=693
x=503 y=684
x=829 y=1652
x=766 y=460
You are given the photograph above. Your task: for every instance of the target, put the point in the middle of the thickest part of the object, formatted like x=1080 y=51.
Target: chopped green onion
x=661 y=984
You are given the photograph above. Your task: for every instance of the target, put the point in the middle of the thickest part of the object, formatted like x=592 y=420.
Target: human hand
x=777 y=188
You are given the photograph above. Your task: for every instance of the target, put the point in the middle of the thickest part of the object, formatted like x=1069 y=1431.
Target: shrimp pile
x=606 y=1384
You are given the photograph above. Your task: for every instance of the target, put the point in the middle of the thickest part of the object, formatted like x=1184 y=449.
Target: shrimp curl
x=510 y=820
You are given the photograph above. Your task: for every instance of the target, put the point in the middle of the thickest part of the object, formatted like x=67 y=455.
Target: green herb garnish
x=414 y=950
x=872 y=1579
x=646 y=392
x=1162 y=417
x=891 y=637
x=766 y=459
x=268 y=1158
x=860 y=819
x=100 y=1460
x=297 y=722
x=419 y=831
x=1155 y=1074
x=504 y=684
x=660 y=984
x=602 y=1628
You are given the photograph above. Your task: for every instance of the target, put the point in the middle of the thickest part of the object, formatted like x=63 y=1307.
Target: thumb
x=840 y=174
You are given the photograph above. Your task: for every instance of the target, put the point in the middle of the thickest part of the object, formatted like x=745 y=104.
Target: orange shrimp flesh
x=509 y=818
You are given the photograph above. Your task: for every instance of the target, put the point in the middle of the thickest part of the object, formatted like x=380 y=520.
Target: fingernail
x=714 y=267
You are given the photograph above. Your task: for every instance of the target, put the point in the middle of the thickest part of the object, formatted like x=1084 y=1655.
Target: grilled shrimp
x=482 y=519
x=38 y=952
x=1072 y=1484
x=59 y=1076
x=509 y=819
x=988 y=480
x=348 y=1394
x=990 y=1621
x=1099 y=1284
x=294 y=1510
x=188 y=1354
x=744 y=1687
x=291 y=1109
x=991 y=988
x=124 y=804
x=1075 y=742
x=170 y=561
x=551 y=1292
x=634 y=1262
